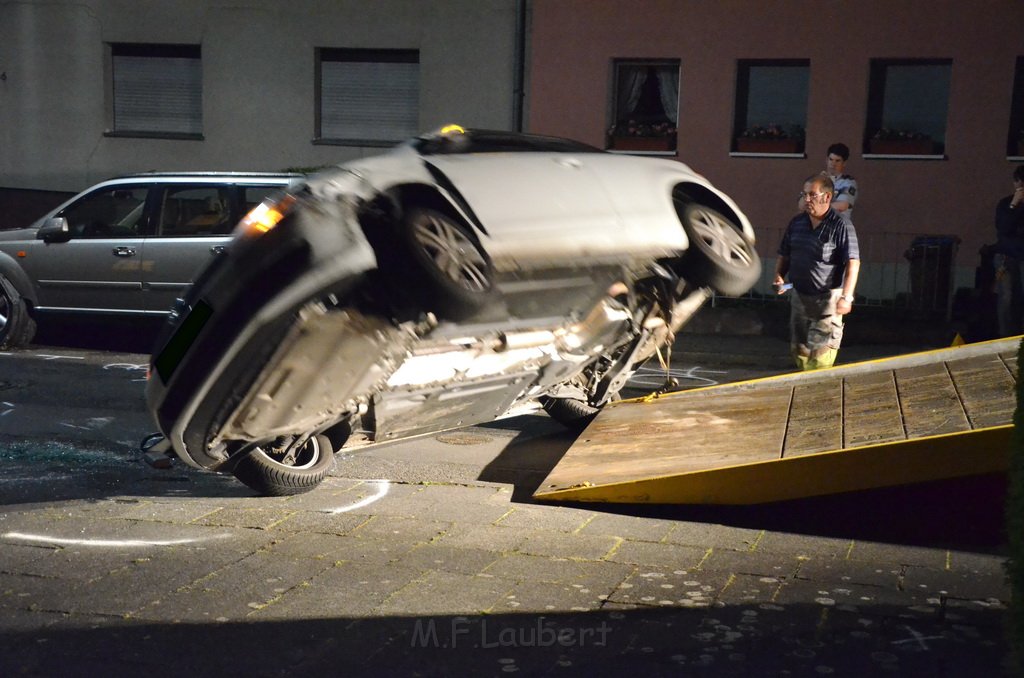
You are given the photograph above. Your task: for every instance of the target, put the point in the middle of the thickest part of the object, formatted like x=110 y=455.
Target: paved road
x=428 y=558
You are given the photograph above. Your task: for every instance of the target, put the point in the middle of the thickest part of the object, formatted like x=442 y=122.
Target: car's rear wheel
x=286 y=467
x=453 y=276
x=17 y=327
x=720 y=256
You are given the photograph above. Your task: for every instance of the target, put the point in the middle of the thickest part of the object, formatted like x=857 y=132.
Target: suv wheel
x=16 y=325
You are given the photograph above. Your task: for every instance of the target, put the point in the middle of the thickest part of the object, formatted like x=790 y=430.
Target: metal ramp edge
x=914 y=418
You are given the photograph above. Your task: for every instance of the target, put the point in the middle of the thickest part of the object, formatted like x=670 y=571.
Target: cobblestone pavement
x=425 y=559
x=429 y=558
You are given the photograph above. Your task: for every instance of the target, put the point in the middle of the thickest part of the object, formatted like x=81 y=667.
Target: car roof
x=496 y=141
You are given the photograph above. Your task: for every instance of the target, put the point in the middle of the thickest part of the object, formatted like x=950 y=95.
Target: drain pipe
x=519 y=76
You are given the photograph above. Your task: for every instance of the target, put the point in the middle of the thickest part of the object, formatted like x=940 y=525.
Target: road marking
x=43 y=356
x=382 y=490
x=917 y=637
x=105 y=542
x=654 y=377
x=130 y=367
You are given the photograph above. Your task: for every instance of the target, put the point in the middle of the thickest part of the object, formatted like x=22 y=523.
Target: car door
x=193 y=222
x=98 y=268
x=534 y=204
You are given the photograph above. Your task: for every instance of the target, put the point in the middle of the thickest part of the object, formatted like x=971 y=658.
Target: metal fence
x=920 y=273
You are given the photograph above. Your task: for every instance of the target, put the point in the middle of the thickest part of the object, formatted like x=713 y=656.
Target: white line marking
x=104 y=542
x=382 y=489
x=140 y=367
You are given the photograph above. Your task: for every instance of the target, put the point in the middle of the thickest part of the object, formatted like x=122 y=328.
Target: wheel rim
x=454 y=254
x=305 y=456
x=718 y=237
x=5 y=310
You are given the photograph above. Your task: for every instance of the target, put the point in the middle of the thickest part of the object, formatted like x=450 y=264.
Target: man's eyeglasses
x=812 y=196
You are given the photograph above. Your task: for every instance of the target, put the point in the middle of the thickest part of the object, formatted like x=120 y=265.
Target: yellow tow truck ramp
x=909 y=419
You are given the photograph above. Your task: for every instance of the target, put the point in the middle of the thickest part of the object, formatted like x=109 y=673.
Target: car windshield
x=488 y=141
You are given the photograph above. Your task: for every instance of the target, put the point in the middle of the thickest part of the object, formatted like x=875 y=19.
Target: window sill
x=137 y=134
x=904 y=156
x=367 y=143
x=739 y=154
x=1015 y=158
x=617 y=151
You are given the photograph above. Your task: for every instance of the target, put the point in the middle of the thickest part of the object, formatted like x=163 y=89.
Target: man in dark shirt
x=820 y=254
x=1009 y=252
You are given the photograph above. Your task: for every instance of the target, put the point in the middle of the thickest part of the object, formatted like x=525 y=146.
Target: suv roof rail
x=217 y=174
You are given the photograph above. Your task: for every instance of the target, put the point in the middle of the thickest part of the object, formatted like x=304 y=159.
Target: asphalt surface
x=428 y=557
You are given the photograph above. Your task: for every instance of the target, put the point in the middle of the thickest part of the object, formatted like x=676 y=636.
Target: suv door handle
x=124 y=251
x=216 y=249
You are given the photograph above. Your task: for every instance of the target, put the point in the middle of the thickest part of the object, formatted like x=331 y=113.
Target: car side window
x=254 y=195
x=194 y=211
x=109 y=213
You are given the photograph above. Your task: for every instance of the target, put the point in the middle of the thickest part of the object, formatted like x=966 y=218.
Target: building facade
x=929 y=96
x=96 y=88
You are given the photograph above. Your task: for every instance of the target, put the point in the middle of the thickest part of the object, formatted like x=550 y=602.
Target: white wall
x=258 y=79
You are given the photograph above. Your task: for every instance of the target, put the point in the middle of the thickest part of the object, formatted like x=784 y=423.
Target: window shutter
x=369 y=100
x=158 y=94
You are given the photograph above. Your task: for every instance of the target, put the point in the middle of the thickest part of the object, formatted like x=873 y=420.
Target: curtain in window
x=668 y=82
x=631 y=83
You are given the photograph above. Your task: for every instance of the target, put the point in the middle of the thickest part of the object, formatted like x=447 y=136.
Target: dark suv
x=125 y=246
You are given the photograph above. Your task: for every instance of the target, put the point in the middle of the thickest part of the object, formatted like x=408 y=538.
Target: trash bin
x=931 y=273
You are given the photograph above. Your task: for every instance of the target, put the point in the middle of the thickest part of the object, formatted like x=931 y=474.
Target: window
x=109 y=213
x=908 y=100
x=1015 y=142
x=771 y=105
x=645 y=106
x=367 y=97
x=191 y=211
x=157 y=90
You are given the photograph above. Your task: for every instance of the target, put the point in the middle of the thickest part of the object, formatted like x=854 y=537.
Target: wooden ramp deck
x=913 y=418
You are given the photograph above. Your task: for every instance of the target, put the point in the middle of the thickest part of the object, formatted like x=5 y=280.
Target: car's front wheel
x=720 y=256
x=16 y=325
x=286 y=467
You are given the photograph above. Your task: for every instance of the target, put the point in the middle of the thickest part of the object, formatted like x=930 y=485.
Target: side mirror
x=54 y=229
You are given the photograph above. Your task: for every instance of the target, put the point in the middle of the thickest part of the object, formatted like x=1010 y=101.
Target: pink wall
x=573 y=43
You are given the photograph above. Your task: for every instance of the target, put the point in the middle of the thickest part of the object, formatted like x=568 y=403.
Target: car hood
x=18 y=234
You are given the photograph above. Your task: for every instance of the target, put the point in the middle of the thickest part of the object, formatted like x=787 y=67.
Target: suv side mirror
x=54 y=229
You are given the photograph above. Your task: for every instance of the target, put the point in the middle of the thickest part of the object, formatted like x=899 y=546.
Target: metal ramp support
x=914 y=418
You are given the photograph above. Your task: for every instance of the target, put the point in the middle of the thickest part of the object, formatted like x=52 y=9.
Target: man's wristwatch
x=847 y=297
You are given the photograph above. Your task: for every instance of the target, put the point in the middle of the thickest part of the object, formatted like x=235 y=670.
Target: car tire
x=17 y=327
x=569 y=412
x=452 y=276
x=720 y=256
x=263 y=470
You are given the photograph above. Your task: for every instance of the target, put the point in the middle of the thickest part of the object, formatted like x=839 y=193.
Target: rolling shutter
x=157 y=90
x=364 y=97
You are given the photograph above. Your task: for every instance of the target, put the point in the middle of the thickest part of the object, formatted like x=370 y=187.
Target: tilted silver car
x=128 y=245
x=435 y=286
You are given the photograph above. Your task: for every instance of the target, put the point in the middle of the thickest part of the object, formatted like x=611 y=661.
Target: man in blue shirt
x=820 y=254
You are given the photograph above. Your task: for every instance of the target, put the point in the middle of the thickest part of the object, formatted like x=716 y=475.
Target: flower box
x=754 y=145
x=901 y=146
x=642 y=143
